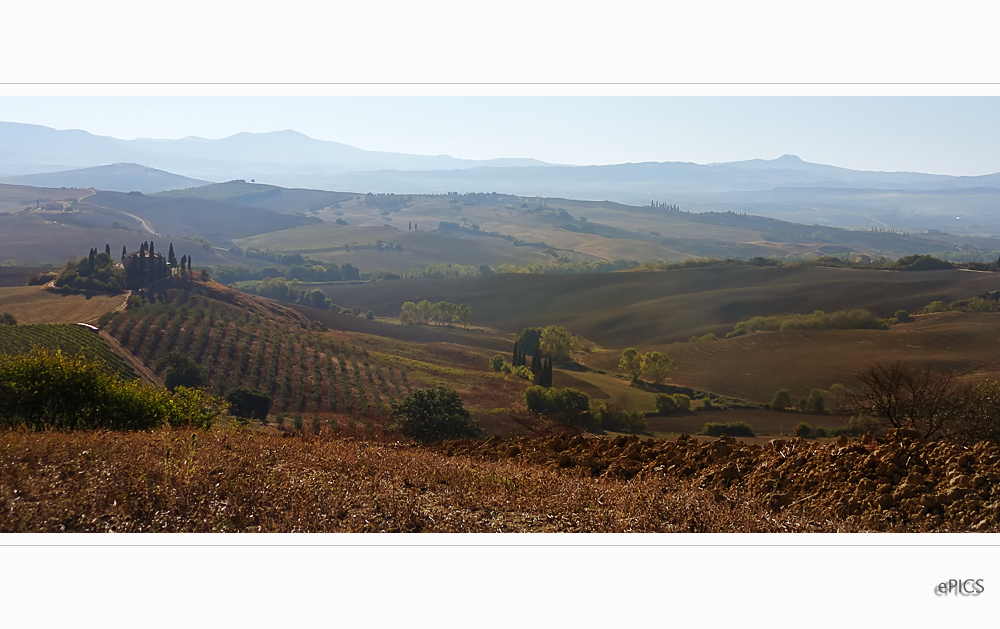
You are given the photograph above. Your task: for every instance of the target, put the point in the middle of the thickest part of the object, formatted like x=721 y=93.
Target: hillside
x=36 y=304
x=116 y=177
x=757 y=365
x=657 y=307
x=241 y=340
x=265 y=196
x=416 y=249
x=214 y=221
x=69 y=338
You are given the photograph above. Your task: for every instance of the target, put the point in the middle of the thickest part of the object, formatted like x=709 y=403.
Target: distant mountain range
x=787 y=187
x=29 y=149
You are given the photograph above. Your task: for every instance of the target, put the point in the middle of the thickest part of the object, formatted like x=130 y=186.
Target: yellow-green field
x=35 y=304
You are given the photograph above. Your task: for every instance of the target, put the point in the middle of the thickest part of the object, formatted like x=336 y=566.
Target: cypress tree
x=124 y=253
x=513 y=359
x=107 y=249
x=171 y=258
x=91 y=261
x=151 y=249
x=536 y=362
x=548 y=372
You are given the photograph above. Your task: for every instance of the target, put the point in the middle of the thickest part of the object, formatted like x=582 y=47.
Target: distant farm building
x=143 y=268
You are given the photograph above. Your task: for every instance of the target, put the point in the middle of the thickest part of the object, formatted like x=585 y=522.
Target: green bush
x=45 y=389
x=667 y=404
x=732 y=429
x=613 y=416
x=522 y=372
x=782 y=399
x=434 y=414
x=496 y=363
x=249 y=403
x=183 y=371
x=7 y=319
x=856 y=427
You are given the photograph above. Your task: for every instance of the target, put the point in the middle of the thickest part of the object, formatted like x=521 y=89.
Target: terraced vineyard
x=303 y=369
x=68 y=337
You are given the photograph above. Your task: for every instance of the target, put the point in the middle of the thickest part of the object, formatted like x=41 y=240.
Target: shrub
x=902 y=316
x=7 y=319
x=569 y=405
x=614 y=416
x=249 y=403
x=522 y=372
x=856 y=427
x=670 y=404
x=803 y=430
x=46 y=389
x=782 y=399
x=732 y=429
x=496 y=363
x=434 y=414
x=183 y=371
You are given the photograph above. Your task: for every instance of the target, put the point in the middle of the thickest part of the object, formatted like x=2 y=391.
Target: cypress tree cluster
x=543 y=374
x=518 y=360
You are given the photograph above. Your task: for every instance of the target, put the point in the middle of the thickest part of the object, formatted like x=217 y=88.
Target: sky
x=949 y=135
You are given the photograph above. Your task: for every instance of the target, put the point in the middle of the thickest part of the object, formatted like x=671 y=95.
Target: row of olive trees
x=442 y=312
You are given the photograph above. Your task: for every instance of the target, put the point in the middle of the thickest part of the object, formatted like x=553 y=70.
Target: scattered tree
x=656 y=366
x=434 y=414
x=557 y=342
x=630 y=364
x=183 y=371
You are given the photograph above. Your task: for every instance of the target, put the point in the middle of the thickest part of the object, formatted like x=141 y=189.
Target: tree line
x=442 y=312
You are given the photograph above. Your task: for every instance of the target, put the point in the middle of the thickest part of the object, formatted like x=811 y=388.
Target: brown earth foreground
x=246 y=480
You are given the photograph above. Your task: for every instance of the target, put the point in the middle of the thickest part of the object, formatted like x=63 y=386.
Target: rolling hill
x=214 y=221
x=114 y=177
x=657 y=307
x=755 y=366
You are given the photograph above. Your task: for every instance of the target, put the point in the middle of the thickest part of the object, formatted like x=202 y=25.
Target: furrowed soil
x=660 y=307
x=754 y=366
x=244 y=480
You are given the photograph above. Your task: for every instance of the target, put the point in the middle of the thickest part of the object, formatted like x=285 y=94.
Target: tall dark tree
x=536 y=362
x=151 y=251
x=92 y=260
x=142 y=259
x=124 y=253
x=107 y=249
x=171 y=258
x=184 y=261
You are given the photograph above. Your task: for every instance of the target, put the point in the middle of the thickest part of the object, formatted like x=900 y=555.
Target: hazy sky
x=951 y=135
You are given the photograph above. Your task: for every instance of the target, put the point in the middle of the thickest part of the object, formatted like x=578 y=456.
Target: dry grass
x=34 y=304
x=242 y=480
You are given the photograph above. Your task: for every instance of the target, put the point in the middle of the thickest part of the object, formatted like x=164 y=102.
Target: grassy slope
x=652 y=308
x=34 y=304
